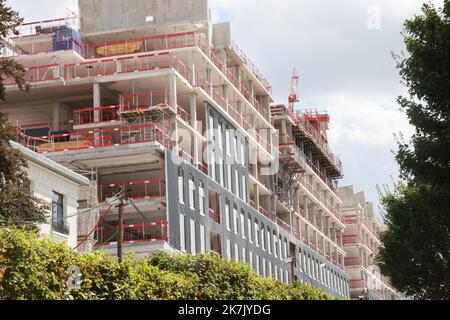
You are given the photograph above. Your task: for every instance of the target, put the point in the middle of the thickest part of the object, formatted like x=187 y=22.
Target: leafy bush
x=32 y=268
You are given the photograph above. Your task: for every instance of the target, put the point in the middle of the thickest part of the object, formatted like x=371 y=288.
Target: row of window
x=264 y=267
x=192 y=240
x=256 y=232
x=227 y=157
x=195 y=200
x=322 y=273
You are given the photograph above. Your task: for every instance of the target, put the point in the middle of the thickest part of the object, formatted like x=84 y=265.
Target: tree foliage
x=37 y=269
x=416 y=246
x=9 y=68
x=17 y=205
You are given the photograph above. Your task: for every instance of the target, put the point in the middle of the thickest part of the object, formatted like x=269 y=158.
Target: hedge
x=34 y=268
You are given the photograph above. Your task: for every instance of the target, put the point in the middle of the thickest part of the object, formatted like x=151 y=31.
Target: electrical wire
x=93 y=230
x=106 y=241
x=30 y=221
x=139 y=211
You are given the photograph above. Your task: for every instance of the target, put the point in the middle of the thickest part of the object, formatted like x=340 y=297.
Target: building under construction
x=361 y=243
x=154 y=102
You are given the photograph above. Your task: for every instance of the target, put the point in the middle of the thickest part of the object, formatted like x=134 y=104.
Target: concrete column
x=237 y=73
x=191 y=65
x=172 y=84
x=193 y=111
x=208 y=77
x=56 y=116
x=97 y=101
x=283 y=137
x=251 y=87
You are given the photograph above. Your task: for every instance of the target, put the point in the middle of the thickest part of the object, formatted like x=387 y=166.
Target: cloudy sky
x=342 y=49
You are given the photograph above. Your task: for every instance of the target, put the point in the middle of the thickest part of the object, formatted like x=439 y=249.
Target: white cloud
x=345 y=67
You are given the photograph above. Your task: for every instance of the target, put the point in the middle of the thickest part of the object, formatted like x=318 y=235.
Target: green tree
x=416 y=246
x=16 y=204
x=9 y=68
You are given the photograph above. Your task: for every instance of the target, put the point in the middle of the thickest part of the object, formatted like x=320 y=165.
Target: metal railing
x=136 y=190
x=97 y=139
x=96 y=115
x=132 y=233
x=44 y=27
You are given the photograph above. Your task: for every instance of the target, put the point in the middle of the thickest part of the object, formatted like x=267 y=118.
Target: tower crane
x=293 y=97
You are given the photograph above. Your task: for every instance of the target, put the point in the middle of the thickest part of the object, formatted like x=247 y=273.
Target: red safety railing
x=286 y=227
x=353 y=262
x=98 y=139
x=313 y=190
x=96 y=115
x=184 y=115
x=132 y=233
x=136 y=190
x=252 y=67
x=268 y=214
x=138 y=45
x=44 y=27
x=350 y=240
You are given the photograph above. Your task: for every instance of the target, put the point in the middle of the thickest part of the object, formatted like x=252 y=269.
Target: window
x=191 y=191
x=182 y=232
x=264 y=270
x=181 y=185
x=193 y=238
x=227 y=216
x=256 y=233
x=202 y=198
x=220 y=135
x=263 y=237
x=59 y=222
x=227 y=141
x=229 y=174
x=236 y=150
x=236 y=183
x=235 y=220
x=243 y=224
x=249 y=228
x=202 y=239
x=244 y=188
x=228 y=249
x=236 y=252
x=242 y=153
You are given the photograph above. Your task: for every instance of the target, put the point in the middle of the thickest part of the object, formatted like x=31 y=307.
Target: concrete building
x=58 y=186
x=151 y=97
x=361 y=242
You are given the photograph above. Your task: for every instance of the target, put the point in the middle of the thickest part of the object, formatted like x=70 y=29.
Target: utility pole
x=120 y=233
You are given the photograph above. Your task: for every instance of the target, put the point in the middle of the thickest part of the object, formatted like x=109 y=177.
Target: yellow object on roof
x=118 y=49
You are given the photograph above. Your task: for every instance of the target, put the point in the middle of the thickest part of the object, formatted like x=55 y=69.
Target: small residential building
x=59 y=186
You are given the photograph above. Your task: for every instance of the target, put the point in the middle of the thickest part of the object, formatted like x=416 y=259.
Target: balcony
x=96 y=116
x=355 y=240
x=132 y=233
x=135 y=190
x=293 y=152
x=353 y=262
x=252 y=67
x=106 y=138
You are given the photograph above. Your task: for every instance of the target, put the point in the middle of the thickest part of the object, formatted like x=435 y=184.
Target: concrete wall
x=221 y=35
x=113 y=15
x=43 y=183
